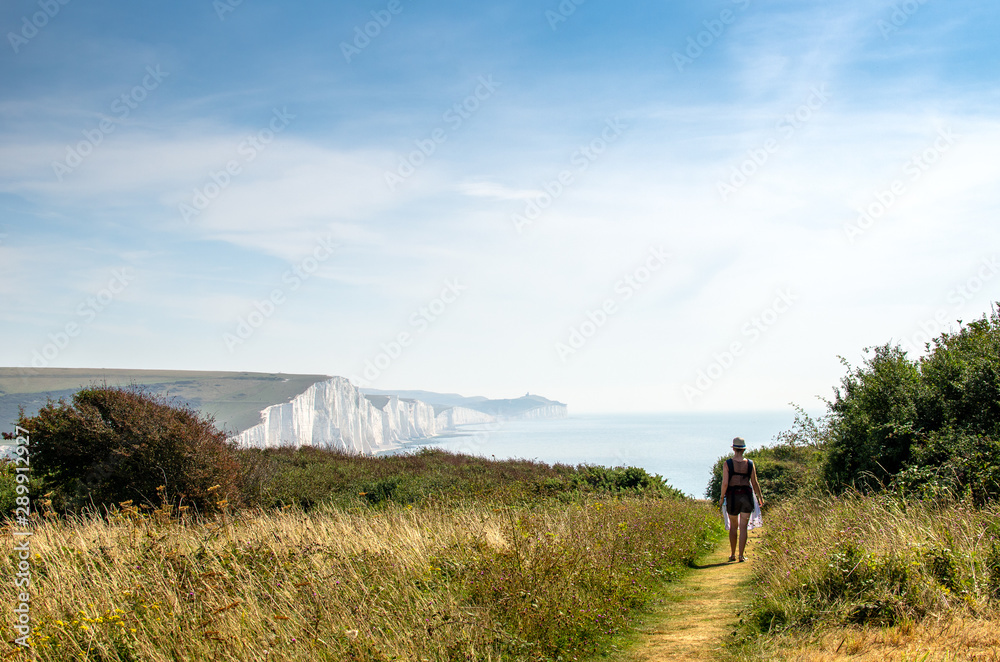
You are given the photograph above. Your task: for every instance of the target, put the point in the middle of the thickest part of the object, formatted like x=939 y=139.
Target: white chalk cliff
x=452 y=417
x=335 y=414
x=546 y=411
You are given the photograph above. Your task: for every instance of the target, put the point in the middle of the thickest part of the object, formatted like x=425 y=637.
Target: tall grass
x=440 y=580
x=877 y=560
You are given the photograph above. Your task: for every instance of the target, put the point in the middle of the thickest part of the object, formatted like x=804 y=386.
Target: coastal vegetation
x=885 y=540
x=873 y=570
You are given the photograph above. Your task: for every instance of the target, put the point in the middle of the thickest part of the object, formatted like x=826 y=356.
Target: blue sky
x=625 y=206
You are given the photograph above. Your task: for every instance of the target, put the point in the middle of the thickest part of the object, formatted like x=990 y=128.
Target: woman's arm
x=756 y=486
x=725 y=481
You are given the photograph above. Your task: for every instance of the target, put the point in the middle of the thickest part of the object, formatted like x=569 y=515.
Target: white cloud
x=497 y=191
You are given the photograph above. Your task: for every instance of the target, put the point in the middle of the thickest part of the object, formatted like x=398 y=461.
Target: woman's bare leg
x=734 y=525
x=744 y=521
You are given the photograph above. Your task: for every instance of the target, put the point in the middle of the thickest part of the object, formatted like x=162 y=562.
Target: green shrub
x=929 y=425
x=396 y=489
x=874 y=421
x=962 y=379
x=620 y=479
x=955 y=464
x=112 y=445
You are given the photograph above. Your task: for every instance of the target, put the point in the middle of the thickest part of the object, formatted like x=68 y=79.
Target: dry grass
x=876 y=560
x=931 y=640
x=434 y=582
x=874 y=578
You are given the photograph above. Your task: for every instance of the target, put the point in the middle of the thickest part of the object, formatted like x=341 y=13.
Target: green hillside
x=235 y=399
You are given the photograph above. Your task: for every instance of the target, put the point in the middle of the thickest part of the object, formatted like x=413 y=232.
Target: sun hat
x=739 y=443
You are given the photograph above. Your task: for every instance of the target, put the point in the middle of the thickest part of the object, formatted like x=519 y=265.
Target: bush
x=962 y=379
x=621 y=479
x=113 y=444
x=874 y=417
x=953 y=463
x=930 y=424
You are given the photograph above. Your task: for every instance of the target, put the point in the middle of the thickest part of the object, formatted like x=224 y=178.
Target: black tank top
x=744 y=477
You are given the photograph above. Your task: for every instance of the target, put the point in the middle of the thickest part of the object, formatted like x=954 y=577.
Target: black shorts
x=739 y=500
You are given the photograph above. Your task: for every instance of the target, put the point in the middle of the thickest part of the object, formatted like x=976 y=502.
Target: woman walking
x=739 y=485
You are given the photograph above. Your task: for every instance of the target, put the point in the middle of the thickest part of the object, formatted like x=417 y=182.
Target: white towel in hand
x=756 y=519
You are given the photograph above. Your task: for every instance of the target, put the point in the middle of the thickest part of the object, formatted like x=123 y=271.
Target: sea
x=680 y=447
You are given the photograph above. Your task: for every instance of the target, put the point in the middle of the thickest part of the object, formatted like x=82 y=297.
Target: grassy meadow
x=451 y=558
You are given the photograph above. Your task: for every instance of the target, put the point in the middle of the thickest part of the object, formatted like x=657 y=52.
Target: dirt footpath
x=700 y=612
